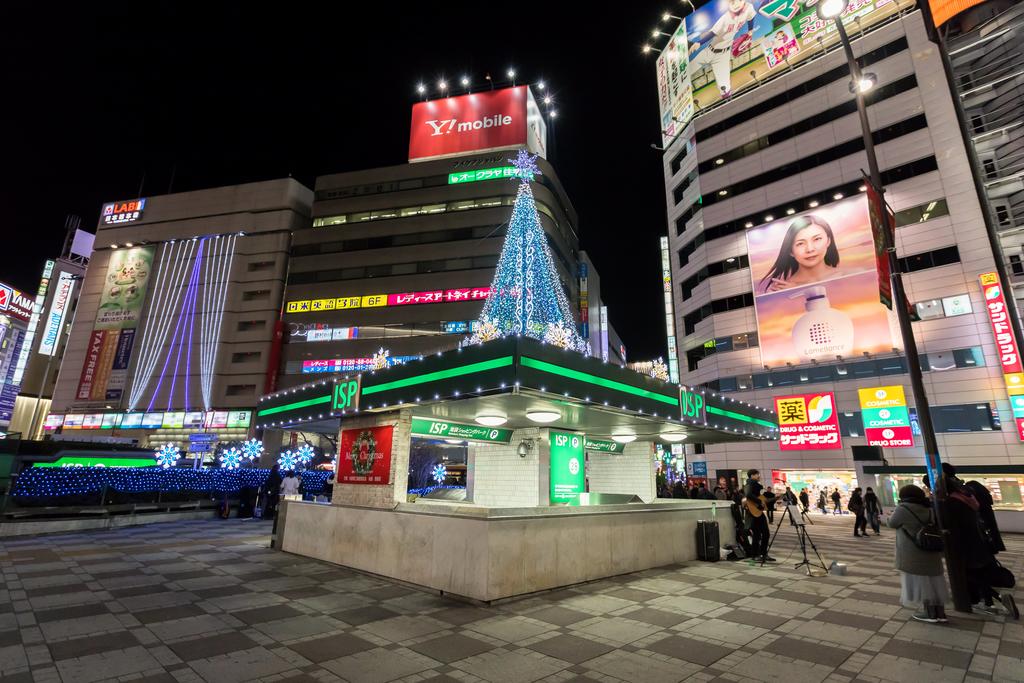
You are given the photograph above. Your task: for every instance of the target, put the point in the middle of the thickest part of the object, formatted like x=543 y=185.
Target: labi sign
x=425 y=426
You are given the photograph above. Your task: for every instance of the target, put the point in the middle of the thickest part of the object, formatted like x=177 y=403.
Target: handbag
x=999 y=576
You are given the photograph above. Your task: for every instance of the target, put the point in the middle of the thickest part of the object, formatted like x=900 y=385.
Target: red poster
x=882 y=221
x=91 y=365
x=492 y=119
x=808 y=422
x=365 y=456
x=999 y=316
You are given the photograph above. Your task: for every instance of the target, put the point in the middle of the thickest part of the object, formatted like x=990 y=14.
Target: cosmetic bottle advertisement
x=816 y=287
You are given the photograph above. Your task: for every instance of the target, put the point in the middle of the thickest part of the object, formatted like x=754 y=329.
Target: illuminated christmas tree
x=526 y=295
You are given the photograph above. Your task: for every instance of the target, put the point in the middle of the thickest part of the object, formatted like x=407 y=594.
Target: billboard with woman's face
x=816 y=287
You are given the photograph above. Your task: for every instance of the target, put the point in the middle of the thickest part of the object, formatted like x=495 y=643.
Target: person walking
x=922 y=585
x=805 y=501
x=756 y=516
x=822 y=502
x=273 y=492
x=837 y=503
x=856 y=506
x=873 y=511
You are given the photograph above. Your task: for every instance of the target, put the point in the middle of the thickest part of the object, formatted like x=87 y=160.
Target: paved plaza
x=208 y=601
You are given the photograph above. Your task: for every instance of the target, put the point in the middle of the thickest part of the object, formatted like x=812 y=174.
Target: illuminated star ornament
x=168 y=455
x=287 y=461
x=439 y=473
x=305 y=453
x=252 y=449
x=231 y=458
x=525 y=165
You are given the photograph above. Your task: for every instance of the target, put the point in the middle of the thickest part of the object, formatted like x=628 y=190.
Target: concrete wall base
x=59 y=526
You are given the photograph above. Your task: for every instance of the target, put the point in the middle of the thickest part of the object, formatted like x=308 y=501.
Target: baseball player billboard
x=733 y=44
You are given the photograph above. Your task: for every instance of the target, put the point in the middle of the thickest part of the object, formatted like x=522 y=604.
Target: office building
x=780 y=151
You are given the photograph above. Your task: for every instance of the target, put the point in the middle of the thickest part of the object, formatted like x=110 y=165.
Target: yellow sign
x=347 y=302
x=297 y=306
x=791 y=410
x=375 y=300
x=1014 y=383
x=882 y=397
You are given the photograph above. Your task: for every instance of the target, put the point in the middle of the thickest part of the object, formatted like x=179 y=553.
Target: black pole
x=954 y=565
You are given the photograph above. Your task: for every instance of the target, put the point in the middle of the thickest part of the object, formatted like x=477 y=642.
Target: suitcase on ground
x=707 y=541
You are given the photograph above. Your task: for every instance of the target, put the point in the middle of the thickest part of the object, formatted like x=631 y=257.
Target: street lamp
x=831 y=10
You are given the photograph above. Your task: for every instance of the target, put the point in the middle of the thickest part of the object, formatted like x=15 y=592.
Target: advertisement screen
x=131 y=421
x=568 y=476
x=53 y=323
x=238 y=418
x=493 y=119
x=152 y=420
x=808 y=422
x=886 y=417
x=815 y=286
x=110 y=420
x=675 y=94
x=53 y=422
x=734 y=44
x=105 y=369
x=364 y=456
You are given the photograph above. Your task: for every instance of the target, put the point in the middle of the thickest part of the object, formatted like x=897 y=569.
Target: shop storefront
x=477 y=472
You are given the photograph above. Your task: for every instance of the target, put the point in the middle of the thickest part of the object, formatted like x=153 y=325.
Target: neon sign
x=116 y=213
x=479 y=174
x=437 y=296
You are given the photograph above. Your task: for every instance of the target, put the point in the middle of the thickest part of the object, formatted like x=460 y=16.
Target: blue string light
x=55 y=482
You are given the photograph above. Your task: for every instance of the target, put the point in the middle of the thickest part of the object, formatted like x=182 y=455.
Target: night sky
x=100 y=98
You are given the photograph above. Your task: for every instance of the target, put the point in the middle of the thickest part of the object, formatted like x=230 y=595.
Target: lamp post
x=831 y=10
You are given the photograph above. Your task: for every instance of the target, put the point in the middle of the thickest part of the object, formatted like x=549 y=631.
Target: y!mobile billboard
x=808 y=422
x=733 y=44
x=816 y=287
x=493 y=119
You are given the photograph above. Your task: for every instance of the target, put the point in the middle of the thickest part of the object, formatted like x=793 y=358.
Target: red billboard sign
x=1006 y=345
x=808 y=422
x=493 y=119
x=364 y=456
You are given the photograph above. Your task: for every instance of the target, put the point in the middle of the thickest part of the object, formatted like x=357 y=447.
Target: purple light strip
x=191 y=323
x=186 y=306
x=178 y=327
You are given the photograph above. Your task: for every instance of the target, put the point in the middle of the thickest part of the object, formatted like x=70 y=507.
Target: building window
x=930 y=259
x=728 y=265
x=256 y=295
x=730 y=303
x=922 y=212
x=251 y=325
x=255 y=266
x=240 y=390
x=245 y=356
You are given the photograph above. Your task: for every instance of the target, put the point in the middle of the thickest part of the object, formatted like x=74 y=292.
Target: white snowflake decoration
x=485 y=332
x=252 y=449
x=381 y=359
x=439 y=473
x=659 y=370
x=287 y=461
x=305 y=453
x=168 y=455
x=231 y=458
x=559 y=335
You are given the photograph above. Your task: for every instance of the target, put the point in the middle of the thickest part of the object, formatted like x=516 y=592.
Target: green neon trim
x=295 y=406
x=740 y=416
x=502 y=362
x=544 y=366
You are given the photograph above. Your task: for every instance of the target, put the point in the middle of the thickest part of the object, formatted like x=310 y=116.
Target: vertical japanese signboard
x=567 y=478
x=670 y=316
x=364 y=456
x=675 y=92
x=110 y=347
x=1007 y=350
x=808 y=422
x=886 y=418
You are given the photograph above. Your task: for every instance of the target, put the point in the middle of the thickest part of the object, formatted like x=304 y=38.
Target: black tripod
x=802 y=536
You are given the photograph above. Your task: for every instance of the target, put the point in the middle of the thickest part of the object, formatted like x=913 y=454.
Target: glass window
x=971 y=417
x=403 y=269
x=956 y=305
x=927 y=310
x=969 y=358
x=922 y=212
x=458 y=264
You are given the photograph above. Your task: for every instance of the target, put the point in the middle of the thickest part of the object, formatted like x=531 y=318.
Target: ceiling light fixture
x=491 y=420
x=543 y=416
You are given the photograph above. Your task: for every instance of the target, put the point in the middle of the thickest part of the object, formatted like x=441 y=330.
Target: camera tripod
x=802 y=536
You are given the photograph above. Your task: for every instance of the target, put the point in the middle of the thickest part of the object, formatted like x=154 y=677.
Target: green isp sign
x=603 y=446
x=346 y=394
x=479 y=174
x=692 y=406
x=424 y=426
x=568 y=477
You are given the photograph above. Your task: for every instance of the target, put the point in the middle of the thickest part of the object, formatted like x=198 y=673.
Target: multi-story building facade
x=790 y=144
x=175 y=328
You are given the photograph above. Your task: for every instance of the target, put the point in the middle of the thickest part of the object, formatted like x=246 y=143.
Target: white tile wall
x=500 y=477
x=631 y=471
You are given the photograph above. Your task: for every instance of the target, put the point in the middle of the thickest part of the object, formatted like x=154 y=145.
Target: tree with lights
x=526 y=295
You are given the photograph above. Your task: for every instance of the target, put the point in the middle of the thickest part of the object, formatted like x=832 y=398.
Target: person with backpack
x=873 y=511
x=919 y=557
x=856 y=506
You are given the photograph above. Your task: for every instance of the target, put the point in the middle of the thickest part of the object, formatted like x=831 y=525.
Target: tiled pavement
x=208 y=601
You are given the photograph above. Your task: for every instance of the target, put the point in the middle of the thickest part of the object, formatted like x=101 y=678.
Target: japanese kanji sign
x=1007 y=349
x=808 y=422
